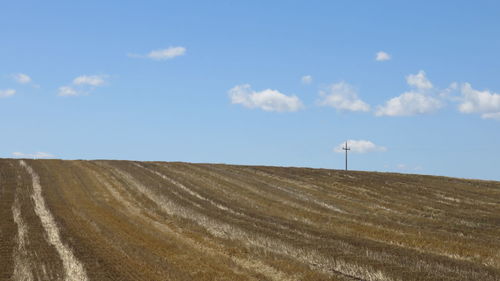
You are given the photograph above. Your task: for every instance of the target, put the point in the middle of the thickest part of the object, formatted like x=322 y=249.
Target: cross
x=346 y=149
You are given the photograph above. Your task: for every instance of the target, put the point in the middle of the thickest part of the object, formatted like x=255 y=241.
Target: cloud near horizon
x=408 y=168
x=267 y=100
x=360 y=146
x=34 y=155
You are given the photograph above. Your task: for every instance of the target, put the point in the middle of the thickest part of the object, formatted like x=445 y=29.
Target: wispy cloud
x=162 y=54
x=342 y=96
x=408 y=168
x=92 y=80
x=494 y=116
x=7 y=93
x=360 y=146
x=82 y=85
x=267 y=100
x=34 y=155
x=65 y=91
x=25 y=79
x=306 y=79
x=382 y=56
x=420 y=100
x=21 y=78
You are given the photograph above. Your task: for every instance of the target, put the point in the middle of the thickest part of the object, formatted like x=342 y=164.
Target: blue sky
x=255 y=82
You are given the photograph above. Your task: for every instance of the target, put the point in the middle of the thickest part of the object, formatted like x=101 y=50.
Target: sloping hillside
x=123 y=220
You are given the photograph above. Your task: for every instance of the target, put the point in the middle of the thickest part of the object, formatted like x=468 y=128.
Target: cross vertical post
x=346 y=148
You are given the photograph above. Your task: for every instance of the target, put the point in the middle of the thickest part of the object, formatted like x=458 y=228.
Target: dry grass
x=123 y=220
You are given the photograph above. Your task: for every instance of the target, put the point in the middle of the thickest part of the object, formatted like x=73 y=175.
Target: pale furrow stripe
x=262 y=194
x=73 y=268
x=220 y=229
x=240 y=215
x=191 y=192
x=22 y=270
x=251 y=265
x=215 y=227
x=297 y=193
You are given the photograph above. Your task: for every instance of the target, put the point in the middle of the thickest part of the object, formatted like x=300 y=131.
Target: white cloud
x=408 y=168
x=34 y=155
x=485 y=102
x=382 y=56
x=162 y=54
x=267 y=100
x=65 y=91
x=342 y=96
x=360 y=146
x=91 y=80
x=21 y=78
x=449 y=93
x=402 y=166
x=306 y=79
x=168 y=53
x=82 y=85
x=419 y=81
x=409 y=103
x=7 y=93
x=495 y=116
x=418 y=101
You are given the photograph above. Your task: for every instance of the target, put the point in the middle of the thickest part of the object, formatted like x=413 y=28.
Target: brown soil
x=124 y=220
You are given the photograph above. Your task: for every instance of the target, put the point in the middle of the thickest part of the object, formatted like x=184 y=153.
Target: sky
x=413 y=86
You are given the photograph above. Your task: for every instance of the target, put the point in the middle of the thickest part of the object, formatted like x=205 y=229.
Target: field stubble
x=124 y=220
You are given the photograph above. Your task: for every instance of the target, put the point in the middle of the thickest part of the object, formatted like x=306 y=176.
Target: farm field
x=126 y=220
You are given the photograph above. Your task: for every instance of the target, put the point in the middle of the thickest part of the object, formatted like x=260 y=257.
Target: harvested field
x=125 y=220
